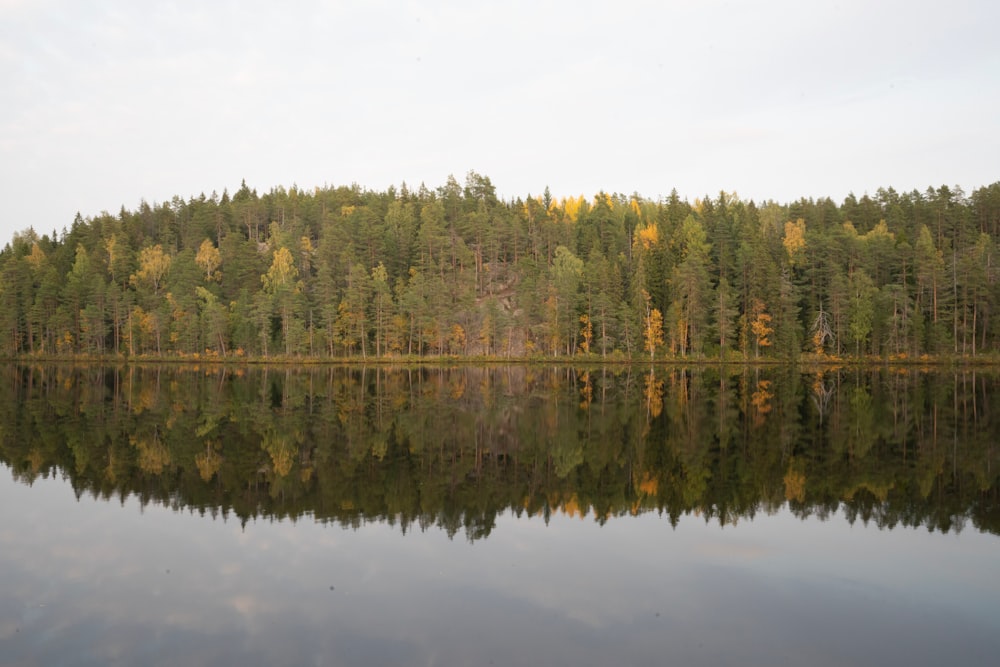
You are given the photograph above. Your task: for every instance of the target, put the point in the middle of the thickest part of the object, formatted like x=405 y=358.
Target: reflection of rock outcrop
x=457 y=447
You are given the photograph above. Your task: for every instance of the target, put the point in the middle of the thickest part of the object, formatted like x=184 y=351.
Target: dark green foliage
x=459 y=272
x=459 y=447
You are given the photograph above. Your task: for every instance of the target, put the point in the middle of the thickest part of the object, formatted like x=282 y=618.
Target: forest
x=351 y=273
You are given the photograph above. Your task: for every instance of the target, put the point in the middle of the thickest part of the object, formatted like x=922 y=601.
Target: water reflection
x=96 y=583
x=459 y=447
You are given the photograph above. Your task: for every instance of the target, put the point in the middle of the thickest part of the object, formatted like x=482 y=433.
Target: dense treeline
x=348 y=272
x=459 y=447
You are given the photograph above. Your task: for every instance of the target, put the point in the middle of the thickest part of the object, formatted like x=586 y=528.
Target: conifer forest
x=351 y=273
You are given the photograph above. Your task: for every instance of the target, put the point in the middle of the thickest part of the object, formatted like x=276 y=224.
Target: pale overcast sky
x=106 y=103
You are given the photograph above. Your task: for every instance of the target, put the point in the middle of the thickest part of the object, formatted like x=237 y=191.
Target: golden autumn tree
x=456 y=339
x=760 y=325
x=154 y=264
x=572 y=206
x=209 y=259
x=282 y=272
x=652 y=327
x=586 y=333
x=36 y=258
x=280 y=282
x=649 y=236
x=794 y=241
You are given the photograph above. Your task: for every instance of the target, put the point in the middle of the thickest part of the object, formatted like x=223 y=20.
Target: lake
x=508 y=515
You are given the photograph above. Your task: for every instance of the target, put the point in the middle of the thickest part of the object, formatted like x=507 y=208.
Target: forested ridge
x=346 y=272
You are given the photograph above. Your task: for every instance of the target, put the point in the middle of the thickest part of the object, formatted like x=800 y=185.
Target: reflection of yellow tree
x=654 y=395
x=761 y=401
x=795 y=483
x=153 y=454
x=380 y=447
x=571 y=507
x=761 y=398
x=680 y=387
x=586 y=392
x=110 y=471
x=649 y=485
x=208 y=461
x=456 y=387
x=35 y=460
x=282 y=452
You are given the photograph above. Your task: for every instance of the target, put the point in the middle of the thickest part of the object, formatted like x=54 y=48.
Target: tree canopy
x=350 y=272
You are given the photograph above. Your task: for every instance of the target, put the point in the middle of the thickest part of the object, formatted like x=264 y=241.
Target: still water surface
x=497 y=516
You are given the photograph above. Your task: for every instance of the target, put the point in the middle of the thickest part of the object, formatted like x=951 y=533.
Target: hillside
x=349 y=272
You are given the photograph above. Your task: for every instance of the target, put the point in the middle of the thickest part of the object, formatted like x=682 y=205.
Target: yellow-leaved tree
x=652 y=327
x=649 y=236
x=280 y=282
x=760 y=325
x=153 y=267
x=795 y=240
x=282 y=272
x=209 y=259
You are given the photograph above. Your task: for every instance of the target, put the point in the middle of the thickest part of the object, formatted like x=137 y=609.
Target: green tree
x=692 y=287
x=214 y=320
x=352 y=320
x=381 y=303
x=566 y=271
x=726 y=312
x=862 y=311
x=930 y=272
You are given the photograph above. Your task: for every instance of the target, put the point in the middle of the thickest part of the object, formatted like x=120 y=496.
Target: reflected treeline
x=457 y=447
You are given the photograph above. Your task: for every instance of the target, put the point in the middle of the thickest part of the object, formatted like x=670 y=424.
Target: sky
x=109 y=103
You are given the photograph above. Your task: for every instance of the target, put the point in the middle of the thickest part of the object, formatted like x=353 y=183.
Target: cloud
x=633 y=96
